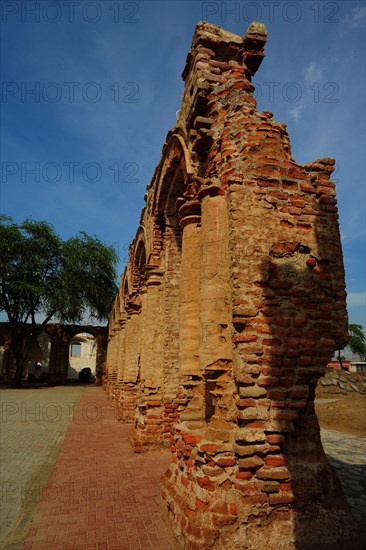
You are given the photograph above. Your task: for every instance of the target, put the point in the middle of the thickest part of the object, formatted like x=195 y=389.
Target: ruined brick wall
x=232 y=304
x=54 y=342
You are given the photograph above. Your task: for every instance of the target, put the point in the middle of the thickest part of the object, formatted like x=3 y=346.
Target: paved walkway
x=33 y=424
x=347 y=454
x=100 y=495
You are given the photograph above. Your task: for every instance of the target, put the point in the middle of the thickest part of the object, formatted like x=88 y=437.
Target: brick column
x=189 y=333
x=215 y=317
x=196 y=487
x=111 y=363
x=59 y=359
x=120 y=366
x=147 y=431
x=129 y=391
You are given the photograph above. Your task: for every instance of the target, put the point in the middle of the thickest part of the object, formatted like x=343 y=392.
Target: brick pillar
x=171 y=285
x=151 y=344
x=147 y=431
x=129 y=391
x=100 y=367
x=189 y=333
x=195 y=487
x=215 y=345
x=120 y=366
x=59 y=359
x=111 y=364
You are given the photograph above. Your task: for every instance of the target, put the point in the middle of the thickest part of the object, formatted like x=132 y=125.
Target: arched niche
x=125 y=287
x=139 y=260
x=82 y=355
x=174 y=178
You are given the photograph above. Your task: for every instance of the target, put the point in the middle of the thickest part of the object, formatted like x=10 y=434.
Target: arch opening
x=82 y=358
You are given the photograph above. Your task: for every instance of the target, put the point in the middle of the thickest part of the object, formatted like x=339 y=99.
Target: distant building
x=335 y=365
x=60 y=353
x=359 y=367
x=82 y=354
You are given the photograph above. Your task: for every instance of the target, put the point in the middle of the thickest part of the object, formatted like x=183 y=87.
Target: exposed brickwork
x=235 y=292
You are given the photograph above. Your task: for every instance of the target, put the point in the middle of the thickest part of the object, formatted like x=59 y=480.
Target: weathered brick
x=191 y=439
x=226 y=461
x=271 y=486
x=281 y=498
x=275 y=461
x=250 y=462
x=252 y=391
x=231 y=305
x=267 y=472
x=243 y=475
x=206 y=483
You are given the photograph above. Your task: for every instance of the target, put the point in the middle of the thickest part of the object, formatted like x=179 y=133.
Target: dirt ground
x=340 y=410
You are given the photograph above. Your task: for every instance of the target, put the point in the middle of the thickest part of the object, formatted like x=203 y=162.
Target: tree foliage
x=357 y=340
x=44 y=277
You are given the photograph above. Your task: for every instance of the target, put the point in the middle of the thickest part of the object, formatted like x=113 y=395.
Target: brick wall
x=237 y=309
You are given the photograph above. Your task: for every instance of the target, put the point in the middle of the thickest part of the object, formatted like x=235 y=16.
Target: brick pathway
x=347 y=454
x=100 y=494
x=33 y=424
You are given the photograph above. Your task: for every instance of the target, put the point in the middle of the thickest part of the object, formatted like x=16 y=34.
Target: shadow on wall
x=302 y=289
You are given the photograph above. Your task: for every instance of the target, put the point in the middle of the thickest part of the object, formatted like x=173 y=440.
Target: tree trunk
x=340 y=359
x=17 y=351
x=21 y=341
x=19 y=364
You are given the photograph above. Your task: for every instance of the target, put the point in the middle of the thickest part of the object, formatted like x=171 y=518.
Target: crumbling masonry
x=231 y=305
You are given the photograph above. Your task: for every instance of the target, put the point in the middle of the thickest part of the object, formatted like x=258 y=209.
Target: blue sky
x=90 y=90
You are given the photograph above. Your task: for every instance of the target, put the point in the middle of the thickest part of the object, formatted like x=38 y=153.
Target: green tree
x=44 y=278
x=356 y=342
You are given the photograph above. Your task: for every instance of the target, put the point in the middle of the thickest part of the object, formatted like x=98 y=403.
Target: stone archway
x=82 y=355
x=62 y=336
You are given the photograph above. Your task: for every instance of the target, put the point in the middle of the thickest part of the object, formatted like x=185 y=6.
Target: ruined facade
x=82 y=355
x=52 y=352
x=231 y=306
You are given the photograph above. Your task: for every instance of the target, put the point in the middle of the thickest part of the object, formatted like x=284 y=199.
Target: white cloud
x=312 y=73
x=357 y=19
x=295 y=112
x=353 y=235
x=356 y=299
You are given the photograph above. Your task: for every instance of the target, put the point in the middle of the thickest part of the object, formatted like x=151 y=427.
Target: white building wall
x=87 y=357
